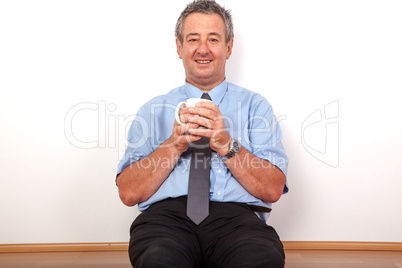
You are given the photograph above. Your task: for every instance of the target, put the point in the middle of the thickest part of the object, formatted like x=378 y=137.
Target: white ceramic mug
x=189 y=103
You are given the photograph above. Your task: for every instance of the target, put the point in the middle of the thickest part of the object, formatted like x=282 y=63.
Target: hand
x=180 y=138
x=208 y=115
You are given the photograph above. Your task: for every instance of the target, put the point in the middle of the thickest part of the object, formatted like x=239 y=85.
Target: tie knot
x=206 y=96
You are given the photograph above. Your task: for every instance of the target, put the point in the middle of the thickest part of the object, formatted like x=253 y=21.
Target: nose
x=203 y=48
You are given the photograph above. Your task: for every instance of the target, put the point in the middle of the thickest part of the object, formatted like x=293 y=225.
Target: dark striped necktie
x=198 y=184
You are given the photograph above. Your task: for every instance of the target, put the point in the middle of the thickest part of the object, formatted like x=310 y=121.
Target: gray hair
x=206 y=7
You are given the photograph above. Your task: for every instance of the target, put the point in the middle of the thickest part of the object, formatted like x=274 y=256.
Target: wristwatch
x=234 y=149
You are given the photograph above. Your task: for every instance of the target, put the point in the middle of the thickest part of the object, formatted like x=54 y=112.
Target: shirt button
x=219 y=171
x=239 y=139
x=218 y=192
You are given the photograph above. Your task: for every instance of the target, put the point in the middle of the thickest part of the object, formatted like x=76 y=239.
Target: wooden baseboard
x=335 y=245
x=288 y=245
x=62 y=247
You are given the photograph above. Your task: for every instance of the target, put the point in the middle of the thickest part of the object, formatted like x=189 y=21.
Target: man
x=236 y=138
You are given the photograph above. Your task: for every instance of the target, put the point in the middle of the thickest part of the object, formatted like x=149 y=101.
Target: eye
x=213 y=40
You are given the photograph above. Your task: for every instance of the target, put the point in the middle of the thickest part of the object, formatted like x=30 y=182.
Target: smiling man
x=203 y=48
x=205 y=187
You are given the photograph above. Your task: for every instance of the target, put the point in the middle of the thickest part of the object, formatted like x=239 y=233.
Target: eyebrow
x=197 y=34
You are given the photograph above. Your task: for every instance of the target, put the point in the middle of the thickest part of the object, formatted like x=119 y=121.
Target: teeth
x=203 y=61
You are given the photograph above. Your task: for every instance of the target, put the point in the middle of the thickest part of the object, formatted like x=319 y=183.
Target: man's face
x=204 y=51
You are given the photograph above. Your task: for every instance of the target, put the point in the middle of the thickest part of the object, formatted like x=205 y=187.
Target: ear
x=229 y=49
x=179 y=48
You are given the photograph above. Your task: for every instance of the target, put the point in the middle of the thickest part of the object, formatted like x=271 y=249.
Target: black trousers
x=231 y=236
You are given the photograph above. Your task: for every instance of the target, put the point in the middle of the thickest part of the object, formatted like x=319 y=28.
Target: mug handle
x=177 y=112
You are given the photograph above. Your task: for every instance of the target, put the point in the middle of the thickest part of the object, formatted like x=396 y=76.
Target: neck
x=205 y=87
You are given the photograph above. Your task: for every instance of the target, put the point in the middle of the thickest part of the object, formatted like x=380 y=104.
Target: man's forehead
x=200 y=21
x=206 y=24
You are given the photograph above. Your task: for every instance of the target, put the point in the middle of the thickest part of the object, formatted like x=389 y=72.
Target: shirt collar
x=216 y=93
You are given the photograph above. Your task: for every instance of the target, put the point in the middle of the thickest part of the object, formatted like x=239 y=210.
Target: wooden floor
x=119 y=259
x=343 y=259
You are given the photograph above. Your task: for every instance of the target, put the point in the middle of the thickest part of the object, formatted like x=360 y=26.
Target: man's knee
x=160 y=253
x=154 y=256
x=250 y=255
x=274 y=258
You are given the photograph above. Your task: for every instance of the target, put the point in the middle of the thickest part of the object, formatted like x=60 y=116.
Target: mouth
x=203 y=61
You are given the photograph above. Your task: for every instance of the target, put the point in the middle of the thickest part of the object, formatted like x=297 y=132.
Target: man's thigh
x=159 y=238
x=242 y=240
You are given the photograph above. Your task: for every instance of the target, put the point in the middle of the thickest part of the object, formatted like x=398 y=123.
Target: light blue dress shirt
x=249 y=119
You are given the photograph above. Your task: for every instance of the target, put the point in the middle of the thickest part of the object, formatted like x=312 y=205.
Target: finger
x=202 y=121
x=183 y=129
x=181 y=116
x=203 y=132
x=184 y=115
x=206 y=104
x=204 y=112
x=187 y=138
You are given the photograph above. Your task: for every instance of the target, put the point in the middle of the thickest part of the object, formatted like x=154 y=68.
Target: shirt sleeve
x=265 y=136
x=138 y=140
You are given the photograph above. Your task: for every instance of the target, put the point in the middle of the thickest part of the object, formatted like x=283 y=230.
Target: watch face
x=234 y=149
x=236 y=146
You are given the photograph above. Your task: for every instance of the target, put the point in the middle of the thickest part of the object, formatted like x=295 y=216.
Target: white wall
x=73 y=74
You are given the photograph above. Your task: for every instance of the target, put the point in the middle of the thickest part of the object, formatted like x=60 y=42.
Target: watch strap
x=234 y=149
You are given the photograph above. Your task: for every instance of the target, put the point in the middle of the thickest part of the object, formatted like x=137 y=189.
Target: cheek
x=188 y=52
x=220 y=53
